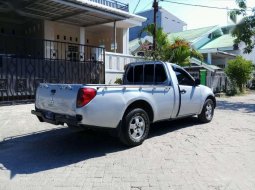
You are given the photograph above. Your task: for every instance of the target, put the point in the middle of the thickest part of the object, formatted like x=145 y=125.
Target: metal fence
x=217 y=81
x=26 y=62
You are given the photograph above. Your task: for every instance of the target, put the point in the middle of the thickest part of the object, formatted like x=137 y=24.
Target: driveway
x=179 y=155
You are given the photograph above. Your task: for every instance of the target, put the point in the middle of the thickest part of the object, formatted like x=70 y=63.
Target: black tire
x=208 y=111
x=135 y=127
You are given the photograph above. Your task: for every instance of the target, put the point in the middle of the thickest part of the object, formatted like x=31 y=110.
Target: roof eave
x=207 y=33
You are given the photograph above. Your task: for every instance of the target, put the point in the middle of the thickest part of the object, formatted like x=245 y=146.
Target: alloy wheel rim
x=136 y=127
x=209 y=111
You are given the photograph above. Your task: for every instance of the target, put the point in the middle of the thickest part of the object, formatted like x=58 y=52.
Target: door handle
x=167 y=88
x=183 y=91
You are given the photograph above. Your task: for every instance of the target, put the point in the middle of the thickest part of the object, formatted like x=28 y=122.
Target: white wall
x=115 y=63
x=250 y=56
x=171 y=23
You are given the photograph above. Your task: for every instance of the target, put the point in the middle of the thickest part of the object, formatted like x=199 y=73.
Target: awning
x=75 y=12
x=212 y=68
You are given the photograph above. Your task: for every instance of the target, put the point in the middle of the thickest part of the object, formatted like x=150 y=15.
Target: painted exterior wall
x=165 y=20
x=171 y=23
x=220 y=62
x=134 y=32
x=250 y=56
x=97 y=36
x=29 y=29
x=115 y=64
x=105 y=37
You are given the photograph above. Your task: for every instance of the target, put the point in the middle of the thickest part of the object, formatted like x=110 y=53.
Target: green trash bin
x=202 y=77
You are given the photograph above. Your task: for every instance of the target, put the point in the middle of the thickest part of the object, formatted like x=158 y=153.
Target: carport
x=31 y=51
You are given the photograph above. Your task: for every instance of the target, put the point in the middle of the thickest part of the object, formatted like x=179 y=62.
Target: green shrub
x=239 y=72
x=118 y=81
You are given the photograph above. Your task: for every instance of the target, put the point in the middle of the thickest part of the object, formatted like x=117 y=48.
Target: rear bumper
x=57 y=119
x=60 y=119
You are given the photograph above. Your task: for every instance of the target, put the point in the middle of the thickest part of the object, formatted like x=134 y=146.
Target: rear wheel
x=135 y=127
x=207 y=112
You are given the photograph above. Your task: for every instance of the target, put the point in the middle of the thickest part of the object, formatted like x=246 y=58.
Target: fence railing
x=113 y=4
x=26 y=62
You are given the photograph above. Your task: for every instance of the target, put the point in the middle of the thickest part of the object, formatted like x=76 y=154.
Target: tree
x=179 y=51
x=245 y=30
x=239 y=71
x=161 y=43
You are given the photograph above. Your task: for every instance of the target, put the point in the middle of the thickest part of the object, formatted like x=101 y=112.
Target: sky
x=195 y=17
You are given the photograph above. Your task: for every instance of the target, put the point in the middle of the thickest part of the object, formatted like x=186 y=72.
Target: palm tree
x=161 y=42
x=179 y=52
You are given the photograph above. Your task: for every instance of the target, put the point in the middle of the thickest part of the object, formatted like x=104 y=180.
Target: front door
x=190 y=94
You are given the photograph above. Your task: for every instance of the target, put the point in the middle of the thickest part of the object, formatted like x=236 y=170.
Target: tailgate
x=57 y=98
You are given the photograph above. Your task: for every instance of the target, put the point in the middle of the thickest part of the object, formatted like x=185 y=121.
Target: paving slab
x=179 y=155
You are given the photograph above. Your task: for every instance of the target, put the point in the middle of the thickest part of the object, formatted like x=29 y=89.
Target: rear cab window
x=146 y=74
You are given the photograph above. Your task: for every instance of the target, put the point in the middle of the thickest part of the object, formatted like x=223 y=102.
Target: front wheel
x=207 y=112
x=135 y=127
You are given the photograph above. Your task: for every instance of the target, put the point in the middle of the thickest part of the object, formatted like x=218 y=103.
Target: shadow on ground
x=60 y=147
x=235 y=106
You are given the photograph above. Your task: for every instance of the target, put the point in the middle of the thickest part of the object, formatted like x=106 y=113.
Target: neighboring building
x=214 y=42
x=59 y=41
x=202 y=38
x=165 y=20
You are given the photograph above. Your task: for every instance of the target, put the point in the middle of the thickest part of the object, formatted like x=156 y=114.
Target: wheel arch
x=212 y=98
x=143 y=105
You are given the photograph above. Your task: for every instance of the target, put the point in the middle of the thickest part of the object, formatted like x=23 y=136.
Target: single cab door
x=190 y=95
x=153 y=80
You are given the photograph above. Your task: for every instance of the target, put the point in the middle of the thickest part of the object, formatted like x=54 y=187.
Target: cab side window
x=149 y=74
x=183 y=78
x=130 y=75
x=160 y=74
x=146 y=74
x=138 y=74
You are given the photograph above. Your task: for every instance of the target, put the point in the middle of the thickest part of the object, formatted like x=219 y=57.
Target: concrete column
x=82 y=42
x=125 y=41
x=209 y=58
x=114 y=36
x=49 y=34
x=82 y=35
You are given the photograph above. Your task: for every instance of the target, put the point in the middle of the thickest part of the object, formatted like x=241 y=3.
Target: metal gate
x=25 y=63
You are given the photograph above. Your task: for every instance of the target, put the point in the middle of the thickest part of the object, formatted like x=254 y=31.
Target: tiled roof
x=226 y=40
x=191 y=35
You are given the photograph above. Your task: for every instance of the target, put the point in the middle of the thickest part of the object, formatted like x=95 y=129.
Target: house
x=165 y=20
x=60 y=41
x=214 y=42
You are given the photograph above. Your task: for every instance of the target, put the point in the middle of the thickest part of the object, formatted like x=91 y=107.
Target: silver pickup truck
x=151 y=92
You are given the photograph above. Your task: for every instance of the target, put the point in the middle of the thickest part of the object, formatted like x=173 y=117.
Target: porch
x=26 y=62
x=58 y=41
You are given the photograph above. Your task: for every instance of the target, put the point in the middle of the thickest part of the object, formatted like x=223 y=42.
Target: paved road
x=178 y=155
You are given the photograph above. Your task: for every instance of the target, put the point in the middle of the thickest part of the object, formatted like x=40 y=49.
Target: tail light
x=85 y=95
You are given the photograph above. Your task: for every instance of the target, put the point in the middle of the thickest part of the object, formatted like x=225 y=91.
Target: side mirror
x=197 y=82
